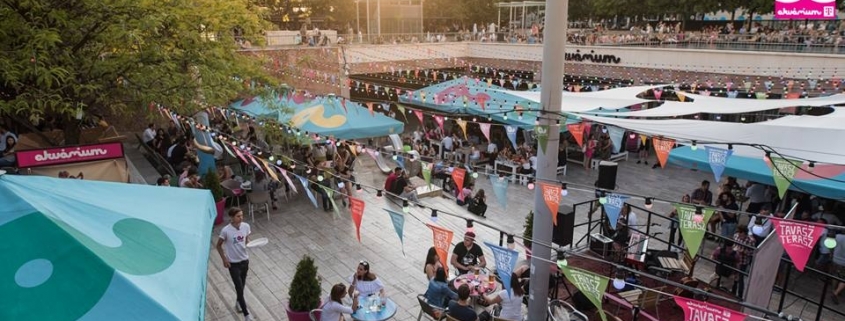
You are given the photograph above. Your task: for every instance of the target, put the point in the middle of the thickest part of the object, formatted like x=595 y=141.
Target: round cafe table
x=364 y=314
x=479 y=285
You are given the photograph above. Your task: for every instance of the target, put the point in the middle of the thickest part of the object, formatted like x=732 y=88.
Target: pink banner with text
x=69 y=155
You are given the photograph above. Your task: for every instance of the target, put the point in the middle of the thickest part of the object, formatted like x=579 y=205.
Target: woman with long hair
x=511 y=302
x=365 y=282
x=438 y=292
x=432 y=263
x=333 y=308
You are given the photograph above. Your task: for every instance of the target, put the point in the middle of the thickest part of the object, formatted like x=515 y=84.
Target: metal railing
x=821 y=43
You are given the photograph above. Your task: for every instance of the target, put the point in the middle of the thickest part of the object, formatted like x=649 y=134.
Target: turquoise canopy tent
x=475 y=97
x=90 y=250
x=328 y=115
x=756 y=169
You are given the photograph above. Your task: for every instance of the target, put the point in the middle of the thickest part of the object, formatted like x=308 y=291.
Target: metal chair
x=259 y=198
x=315 y=314
x=428 y=311
x=651 y=299
x=232 y=189
x=561 y=311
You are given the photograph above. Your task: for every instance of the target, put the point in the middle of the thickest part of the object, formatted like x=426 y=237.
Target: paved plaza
x=297 y=228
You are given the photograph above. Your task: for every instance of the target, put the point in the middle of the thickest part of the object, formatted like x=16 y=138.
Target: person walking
x=232 y=249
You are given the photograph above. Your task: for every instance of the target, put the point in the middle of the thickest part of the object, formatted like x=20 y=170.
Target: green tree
x=63 y=58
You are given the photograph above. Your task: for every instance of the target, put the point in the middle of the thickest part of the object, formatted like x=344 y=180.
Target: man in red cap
x=468 y=255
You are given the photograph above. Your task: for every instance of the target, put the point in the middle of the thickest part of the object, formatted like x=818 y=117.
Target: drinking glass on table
x=477 y=271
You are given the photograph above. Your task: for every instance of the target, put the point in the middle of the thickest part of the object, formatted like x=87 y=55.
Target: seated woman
x=7 y=158
x=478 y=204
x=438 y=293
x=263 y=184
x=365 y=282
x=465 y=195
x=333 y=308
x=432 y=263
x=511 y=302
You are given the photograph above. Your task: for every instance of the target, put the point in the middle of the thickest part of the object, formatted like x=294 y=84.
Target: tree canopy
x=62 y=58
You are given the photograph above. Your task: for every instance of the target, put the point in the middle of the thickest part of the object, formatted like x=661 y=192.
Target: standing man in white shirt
x=756 y=194
x=149 y=134
x=446 y=145
x=232 y=249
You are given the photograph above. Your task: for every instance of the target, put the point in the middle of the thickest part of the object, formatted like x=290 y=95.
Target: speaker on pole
x=607 y=175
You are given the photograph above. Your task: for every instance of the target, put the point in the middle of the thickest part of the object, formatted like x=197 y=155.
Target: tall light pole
x=368 y=22
x=357 y=16
x=551 y=92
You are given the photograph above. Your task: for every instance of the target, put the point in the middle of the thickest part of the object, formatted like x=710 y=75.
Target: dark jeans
x=238 y=273
x=325 y=197
x=739 y=285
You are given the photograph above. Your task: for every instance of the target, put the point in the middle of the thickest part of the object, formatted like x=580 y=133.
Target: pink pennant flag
x=699 y=310
x=287 y=178
x=439 y=120
x=657 y=93
x=485 y=129
x=419 y=114
x=798 y=239
x=254 y=161
x=370 y=107
x=240 y=155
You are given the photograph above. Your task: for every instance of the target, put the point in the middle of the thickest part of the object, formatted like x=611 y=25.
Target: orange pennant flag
x=577 y=131
x=442 y=243
x=551 y=195
x=662 y=146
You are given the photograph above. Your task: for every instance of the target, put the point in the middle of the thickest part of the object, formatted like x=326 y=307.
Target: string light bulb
x=694 y=146
x=830 y=242
x=618 y=283
x=470 y=228
x=341 y=185
x=395 y=157
x=278 y=162
x=272 y=158
x=378 y=194
x=699 y=215
x=649 y=203
x=563 y=190
x=602 y=197
x=358 y=187
x=811 y=167
x=768 y=157
x=320 y=178
x=531 y=185
x=405 y=206
x=434 y=215
x=511 y=242
x=474 y=174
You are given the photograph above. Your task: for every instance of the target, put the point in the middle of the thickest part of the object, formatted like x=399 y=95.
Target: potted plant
x=212 y=182
x=304 y=290
x=528 y=233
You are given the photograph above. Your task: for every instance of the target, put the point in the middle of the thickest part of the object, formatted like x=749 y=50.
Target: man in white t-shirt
x=492 y=148
x=232 y=248
x=447 y=143
x=149 y=134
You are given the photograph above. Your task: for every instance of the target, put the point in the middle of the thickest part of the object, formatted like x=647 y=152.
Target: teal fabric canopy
x=755 y=169
x=326 y=116
x=475 y=97
x=90 y=250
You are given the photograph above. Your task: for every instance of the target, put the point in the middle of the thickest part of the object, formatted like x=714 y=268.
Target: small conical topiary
x=528 y=233
x=305 y=289
x=212 y=183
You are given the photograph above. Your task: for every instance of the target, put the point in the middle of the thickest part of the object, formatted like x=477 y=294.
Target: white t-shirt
x=366 y=288
x=149 y=134
x=491 y=148
x=234 y=242
x=511 y=306
x=447 y=143
x=533 y=160
x=332 y=311
x=632 y=220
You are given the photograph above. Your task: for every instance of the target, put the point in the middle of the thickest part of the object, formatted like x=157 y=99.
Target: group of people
x=456 y=302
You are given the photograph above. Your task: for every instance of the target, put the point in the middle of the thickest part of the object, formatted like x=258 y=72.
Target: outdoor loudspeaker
x=607 y=175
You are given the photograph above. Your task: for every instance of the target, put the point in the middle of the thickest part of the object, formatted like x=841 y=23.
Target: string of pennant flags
x=798 y=238
x=692 y=218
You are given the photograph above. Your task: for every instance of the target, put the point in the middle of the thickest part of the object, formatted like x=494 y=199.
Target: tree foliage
x=466 y=11
x=63 y=57
x=291 y=14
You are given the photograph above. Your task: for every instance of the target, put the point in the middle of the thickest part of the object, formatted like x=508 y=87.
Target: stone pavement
x=297 y=228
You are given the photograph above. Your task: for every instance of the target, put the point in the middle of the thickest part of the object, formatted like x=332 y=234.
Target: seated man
x=391 y=179
x=404 y=188
x=461 y=309
x=467 y=255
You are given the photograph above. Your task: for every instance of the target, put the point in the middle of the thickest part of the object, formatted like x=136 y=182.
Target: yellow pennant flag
x=681 y=97
x=270 y=170
x=463 y=124
x=644 y=139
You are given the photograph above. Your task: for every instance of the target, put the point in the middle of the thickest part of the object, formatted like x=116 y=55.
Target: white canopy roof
x=723 y=105
x=809 y=139
x=613 y=99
